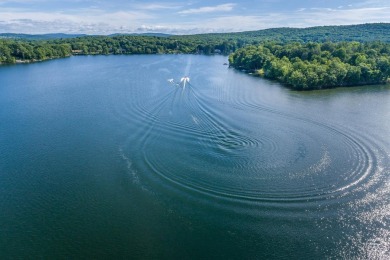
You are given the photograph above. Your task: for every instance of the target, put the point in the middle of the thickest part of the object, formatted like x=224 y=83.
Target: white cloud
x=89 y=21
x=95 y=21
x=342 y=17
x=298 y=19
x=157 y=6
x=209 y=9
x=90 y=15
x=373 y=3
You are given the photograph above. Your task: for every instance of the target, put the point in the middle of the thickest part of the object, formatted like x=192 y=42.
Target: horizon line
x=172 y=34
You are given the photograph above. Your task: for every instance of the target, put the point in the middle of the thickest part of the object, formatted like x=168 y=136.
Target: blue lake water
x=103 y=157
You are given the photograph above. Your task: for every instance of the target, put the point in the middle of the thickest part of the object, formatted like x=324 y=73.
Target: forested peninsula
x=317 y=65
x=316 y=57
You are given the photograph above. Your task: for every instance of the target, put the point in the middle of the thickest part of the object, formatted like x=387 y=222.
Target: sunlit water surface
x=110 y=156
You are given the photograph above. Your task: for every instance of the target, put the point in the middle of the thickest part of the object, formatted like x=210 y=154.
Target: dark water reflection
x=103 y=157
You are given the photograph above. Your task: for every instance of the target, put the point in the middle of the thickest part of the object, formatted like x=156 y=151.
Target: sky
x=182 y=17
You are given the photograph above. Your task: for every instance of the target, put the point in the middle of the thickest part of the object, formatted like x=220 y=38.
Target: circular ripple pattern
x=277 y=164
x=244 y=150
x=238 y=145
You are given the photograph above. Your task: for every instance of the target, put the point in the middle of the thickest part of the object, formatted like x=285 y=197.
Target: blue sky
x=182 y=17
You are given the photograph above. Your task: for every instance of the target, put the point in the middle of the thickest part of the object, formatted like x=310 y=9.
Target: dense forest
x=23 y=48
x=317 y=65
x=17 y=50
x=12 y=51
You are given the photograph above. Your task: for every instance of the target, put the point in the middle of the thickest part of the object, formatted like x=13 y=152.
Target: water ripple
x=193 y=144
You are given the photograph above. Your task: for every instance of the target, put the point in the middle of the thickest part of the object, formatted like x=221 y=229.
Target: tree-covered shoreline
x=24 y=49
x=308 y=58
x=317 y=65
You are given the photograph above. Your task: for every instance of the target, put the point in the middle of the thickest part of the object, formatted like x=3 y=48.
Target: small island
x=316 y=65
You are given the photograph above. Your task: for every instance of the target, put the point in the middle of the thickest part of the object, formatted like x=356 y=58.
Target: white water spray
x=184 y=80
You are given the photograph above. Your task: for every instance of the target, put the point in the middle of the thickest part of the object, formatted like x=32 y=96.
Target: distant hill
x=142 y=34
x=54 y=36
x=49 y=36
x=360 y=33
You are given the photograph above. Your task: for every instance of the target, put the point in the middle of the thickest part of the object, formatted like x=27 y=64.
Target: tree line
x=12 y=51
x=317 y=65
x=26 y=49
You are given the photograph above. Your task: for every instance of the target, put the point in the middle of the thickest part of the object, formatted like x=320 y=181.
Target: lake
x=113 y=157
